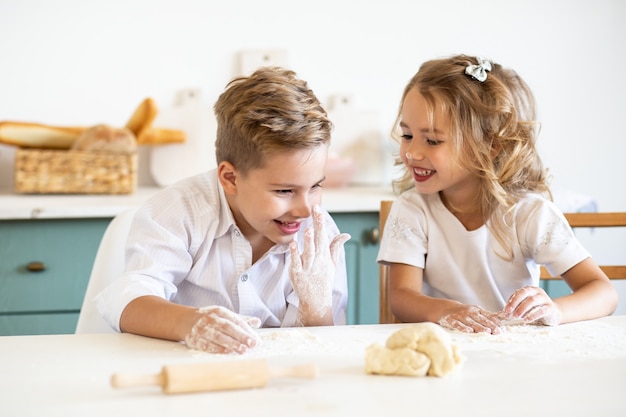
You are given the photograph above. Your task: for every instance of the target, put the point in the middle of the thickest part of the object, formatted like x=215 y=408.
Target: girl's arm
x=593 y=296
x=593 y=293
x=408 y=304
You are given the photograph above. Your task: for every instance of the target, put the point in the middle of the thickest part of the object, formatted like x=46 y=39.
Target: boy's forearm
x=155 y=317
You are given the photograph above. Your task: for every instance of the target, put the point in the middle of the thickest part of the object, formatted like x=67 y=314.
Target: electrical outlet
x=188 y=95
x=252 y=59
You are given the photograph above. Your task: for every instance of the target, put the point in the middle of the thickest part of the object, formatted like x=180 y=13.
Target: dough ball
x=103 y=138
x=404 y=361
x=431 y=340
x=417 y=350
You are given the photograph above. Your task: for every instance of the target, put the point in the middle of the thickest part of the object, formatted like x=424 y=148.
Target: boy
x=216 y=255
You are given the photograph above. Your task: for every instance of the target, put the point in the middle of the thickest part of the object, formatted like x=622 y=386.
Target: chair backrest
x=615 y=219
x=385 y=314
x=108 y=265
x=593 y=220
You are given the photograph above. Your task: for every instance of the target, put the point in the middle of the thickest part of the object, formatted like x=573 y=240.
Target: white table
x=571 y=370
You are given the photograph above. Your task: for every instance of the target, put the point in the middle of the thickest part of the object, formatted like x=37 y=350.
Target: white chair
x=108 y=265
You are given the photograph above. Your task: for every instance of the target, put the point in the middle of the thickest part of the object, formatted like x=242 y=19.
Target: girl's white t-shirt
x=464 y=265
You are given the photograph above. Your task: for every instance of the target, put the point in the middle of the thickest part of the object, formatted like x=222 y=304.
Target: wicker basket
x=43 y=171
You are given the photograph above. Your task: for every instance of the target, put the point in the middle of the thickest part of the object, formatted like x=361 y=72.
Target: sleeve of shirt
x=405 y=238
x=549 y=239
x=157 y=257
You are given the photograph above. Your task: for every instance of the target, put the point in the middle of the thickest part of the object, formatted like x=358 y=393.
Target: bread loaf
x=36 y=135
x=105 y=139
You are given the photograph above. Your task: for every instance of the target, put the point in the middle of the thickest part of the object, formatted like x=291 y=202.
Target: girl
x=474 y=220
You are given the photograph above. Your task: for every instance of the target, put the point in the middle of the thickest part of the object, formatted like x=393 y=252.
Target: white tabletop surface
x=53 y=206
x=570 y=370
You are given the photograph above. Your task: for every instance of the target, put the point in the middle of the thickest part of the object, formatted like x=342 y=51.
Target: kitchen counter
x=570 y=370
x=49 y=206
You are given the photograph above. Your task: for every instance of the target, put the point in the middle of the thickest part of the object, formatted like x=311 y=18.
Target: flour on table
x=590 y=340
x=286 y=341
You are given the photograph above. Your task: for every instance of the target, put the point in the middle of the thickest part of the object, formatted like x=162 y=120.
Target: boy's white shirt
x=184 y=246
x=463 y=265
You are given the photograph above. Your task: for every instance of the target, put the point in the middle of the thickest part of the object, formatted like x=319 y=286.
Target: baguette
x=36 y=135
x=142 y=118
x=161 y=136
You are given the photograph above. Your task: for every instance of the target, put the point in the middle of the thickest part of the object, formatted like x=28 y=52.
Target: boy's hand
x=312 y=274
x=219 y=330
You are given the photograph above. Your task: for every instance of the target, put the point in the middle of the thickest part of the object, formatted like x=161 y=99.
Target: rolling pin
x=215 y=376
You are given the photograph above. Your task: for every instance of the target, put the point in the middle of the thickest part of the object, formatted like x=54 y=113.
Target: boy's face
x=269 y=203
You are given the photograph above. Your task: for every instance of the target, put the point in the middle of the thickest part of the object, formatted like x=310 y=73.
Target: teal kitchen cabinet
x=45 y=267
x=44 y=270
x=361 y=252
x=555 y=288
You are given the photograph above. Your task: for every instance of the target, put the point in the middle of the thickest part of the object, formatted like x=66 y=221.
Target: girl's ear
x=227 y=175
x=496 y=147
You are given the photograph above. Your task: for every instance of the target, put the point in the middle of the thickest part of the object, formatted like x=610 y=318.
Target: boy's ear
x=227 y=175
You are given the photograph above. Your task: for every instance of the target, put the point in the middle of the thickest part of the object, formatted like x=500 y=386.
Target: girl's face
x=270 y=203
x=427 y=152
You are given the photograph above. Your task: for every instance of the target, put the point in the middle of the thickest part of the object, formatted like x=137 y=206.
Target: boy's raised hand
x=312 y=273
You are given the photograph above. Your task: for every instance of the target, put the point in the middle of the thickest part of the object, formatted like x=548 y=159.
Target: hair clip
x=479 y=72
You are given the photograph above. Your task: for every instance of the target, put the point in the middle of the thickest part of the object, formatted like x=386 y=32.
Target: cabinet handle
x=36 y=266
x=374 y=235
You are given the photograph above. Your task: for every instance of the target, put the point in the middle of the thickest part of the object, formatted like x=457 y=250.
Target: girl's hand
x=472 y=319
x=312 y=274
x=532 y=305
x=219 y=330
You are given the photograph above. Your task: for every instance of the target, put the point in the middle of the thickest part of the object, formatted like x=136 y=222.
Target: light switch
x=250 y=60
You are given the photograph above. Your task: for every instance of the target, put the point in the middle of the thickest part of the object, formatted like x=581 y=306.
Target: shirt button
x=237 y=232
x=244 y=277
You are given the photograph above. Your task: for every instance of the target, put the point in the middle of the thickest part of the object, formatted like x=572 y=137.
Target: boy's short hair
x=267 y=112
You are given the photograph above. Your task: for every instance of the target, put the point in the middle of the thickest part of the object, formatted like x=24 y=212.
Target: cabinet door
x=66 y=249
x=361 y=252
x=45 y=323
x=555 y=288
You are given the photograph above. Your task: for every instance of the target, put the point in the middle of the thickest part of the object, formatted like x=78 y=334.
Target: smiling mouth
x=288 y=227
x=423 y=172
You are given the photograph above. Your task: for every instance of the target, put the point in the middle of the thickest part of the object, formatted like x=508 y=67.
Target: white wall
x=81 y=62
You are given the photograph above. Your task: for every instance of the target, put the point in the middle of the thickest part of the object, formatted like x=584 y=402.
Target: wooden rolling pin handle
x=125 y=380
x=309 y=371
x=214 y=376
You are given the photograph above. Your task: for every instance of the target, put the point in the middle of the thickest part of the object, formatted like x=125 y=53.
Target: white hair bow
x=479 y=72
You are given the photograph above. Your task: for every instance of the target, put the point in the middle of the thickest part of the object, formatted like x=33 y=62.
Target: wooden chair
x=615 y=219
x=385 y=314
x=593 y=220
